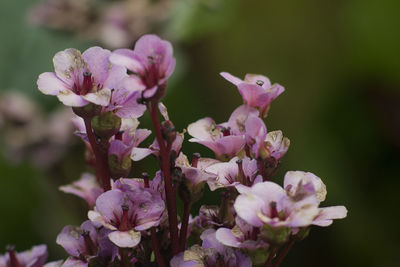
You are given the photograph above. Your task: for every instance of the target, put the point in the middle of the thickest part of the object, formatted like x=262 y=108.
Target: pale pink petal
x=102 y=97
x=127 y=59
x=226 y=237
x=71 y=99
x=204 y=129
x=238 y=118
x=49 y=84
x=248 y=206
x=327 y=215
x=140 y=153
x=258 y=79
x=69 y=66
x=98 y=63
x=231 y=78
x=128 y=239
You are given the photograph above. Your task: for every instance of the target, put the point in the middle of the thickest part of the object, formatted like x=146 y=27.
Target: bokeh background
x=338 y=60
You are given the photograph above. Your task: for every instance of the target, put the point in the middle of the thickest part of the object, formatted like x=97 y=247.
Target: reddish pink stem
x=165 y=167
x=102 y=171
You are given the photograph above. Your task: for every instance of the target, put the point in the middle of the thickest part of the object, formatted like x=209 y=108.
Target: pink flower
x=85 y=242
x=126 y=213
x=233 y=173
x=225 y=139
x=151 y=61
x=256 y=90
x=80 y=79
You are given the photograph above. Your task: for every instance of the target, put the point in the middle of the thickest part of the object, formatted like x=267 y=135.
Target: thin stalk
x=156 y=248
x=268 y=262
x=284 y=252
x=165 y=167
x=102 y=170
x=184 y=226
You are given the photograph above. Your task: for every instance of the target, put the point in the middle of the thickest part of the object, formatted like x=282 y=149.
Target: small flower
x=151 y=61
x=80 y=79
x=256 y=90
x=35 y=257
x=225 y=139
x=126 y=213
x=85 y=242
x=233 y=173
x=86 y=188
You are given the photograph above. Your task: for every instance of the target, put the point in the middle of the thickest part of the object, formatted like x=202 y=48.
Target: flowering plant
x=134 y=221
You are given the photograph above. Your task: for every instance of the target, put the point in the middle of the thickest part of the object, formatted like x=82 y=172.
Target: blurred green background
x=339 y=62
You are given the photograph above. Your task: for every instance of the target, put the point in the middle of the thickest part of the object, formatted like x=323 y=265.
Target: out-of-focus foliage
x=339 y=63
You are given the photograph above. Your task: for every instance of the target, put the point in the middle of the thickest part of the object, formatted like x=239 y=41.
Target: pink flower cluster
x=135 y=221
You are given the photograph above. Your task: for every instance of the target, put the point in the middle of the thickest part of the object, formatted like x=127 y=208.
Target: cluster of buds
x=135 y=221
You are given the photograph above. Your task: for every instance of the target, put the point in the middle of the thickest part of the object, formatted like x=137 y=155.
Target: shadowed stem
x=184 y=226
x=165 y=167
x=284 y=252
x=156 y=248
x=268 y=262
x=102 y=170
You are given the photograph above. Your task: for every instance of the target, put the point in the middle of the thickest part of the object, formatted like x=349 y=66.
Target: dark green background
x=339 y=62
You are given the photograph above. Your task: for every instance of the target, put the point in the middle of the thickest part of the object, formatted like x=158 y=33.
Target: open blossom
x=86 y=188
x=127 y=213
x=268 y=203
x=298 y=206
x=256 y=90
x=80 y=79
x=35 y=257
x=85 y=242
x=235 y=172
x=225 y=139
x=151 y=61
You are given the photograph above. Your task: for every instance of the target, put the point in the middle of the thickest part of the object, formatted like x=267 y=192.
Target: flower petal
x=127 y=239
x=49 y=84
x=71 y=99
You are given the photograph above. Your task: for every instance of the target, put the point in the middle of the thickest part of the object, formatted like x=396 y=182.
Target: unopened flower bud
x=168 y=131
x=106 y=125
x=119 y=167
x=88 y=111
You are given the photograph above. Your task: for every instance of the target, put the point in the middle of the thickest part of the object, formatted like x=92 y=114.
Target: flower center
x=273 y=210
x=125 y=225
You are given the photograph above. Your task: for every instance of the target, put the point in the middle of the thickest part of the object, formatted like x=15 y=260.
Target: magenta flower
x=85 y=242
x=225 y=139
x=35 y=257
x=256 y=90
x=126 y=213
x=235 y=172
x=80 y=79
x=86 y=188
x=151 y=61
